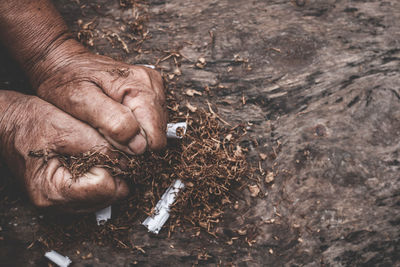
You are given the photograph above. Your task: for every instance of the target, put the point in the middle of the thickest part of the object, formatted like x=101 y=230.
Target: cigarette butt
x=176 y=130
x=102 y=216
x=58 y=259
x=155 y=222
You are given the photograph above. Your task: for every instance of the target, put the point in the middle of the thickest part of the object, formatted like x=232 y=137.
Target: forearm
x=37 y=37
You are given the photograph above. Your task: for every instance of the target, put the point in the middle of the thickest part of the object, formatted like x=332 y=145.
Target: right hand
x=125 y=103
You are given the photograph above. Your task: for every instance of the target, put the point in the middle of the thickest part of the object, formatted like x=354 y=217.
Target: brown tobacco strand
x=210 y=164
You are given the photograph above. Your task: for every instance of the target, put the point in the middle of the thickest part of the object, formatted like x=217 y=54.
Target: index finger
x=152 y=118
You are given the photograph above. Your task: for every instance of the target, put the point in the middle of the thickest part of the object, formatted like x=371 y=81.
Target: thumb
x=93 y=190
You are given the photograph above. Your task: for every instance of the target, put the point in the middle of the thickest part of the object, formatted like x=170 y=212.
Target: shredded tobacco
x=208 y=159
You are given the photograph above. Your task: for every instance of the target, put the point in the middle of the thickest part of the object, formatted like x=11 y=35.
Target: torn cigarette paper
x=155 y=222
x=103 y=215
x=173 y=127
x=58 y=259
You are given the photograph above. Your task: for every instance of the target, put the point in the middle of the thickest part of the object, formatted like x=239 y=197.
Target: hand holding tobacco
x=86 y=101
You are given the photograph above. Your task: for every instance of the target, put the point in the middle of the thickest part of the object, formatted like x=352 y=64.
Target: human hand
x=125 y=103
x=27 y=124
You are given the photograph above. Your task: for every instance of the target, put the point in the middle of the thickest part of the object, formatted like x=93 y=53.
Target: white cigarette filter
x=58 y=259
x=172 y=130
x=102 y=216
x=155 y=222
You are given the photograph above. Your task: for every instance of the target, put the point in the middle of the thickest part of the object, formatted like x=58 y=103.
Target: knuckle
x=142 y=73
x=119 y=126
x=155 y=99
x=39 y=192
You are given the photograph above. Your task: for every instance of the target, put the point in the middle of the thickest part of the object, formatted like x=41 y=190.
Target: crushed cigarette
x=155 y=222
x=176 y=130
x=102 y=216
x=58 y=259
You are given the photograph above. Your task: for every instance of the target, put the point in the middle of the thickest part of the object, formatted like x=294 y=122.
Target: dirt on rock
x=314 y=84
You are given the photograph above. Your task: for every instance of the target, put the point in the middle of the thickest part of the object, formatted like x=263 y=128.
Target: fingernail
x=138 y=144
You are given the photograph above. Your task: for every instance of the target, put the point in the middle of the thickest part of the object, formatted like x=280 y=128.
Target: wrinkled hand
x=125 y=103
x=31 y=124
x=108 y=100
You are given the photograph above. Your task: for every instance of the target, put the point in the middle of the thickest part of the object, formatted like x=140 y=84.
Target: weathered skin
x=324 y=83
x=31 y=124
x=123 y=103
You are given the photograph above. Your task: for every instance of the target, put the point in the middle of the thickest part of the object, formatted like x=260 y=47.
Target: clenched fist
x=125 y=103
x=86 y=101
x=28 y=123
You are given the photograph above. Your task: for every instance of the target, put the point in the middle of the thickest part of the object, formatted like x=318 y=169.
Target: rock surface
x=316 y=82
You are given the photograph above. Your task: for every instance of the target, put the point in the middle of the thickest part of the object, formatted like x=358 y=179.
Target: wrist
x=57 y=55
x=36 y=36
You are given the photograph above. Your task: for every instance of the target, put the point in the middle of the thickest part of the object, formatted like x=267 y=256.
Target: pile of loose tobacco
x=208 y=159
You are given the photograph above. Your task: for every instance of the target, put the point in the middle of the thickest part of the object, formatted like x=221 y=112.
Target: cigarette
x=161 y=215
x=155 y=222
x=102 y=216
x=176 y=130
x=58 y=259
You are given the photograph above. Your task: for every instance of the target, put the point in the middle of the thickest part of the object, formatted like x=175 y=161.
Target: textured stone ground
x=316 y=82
